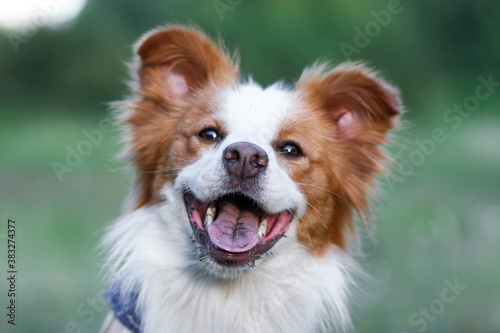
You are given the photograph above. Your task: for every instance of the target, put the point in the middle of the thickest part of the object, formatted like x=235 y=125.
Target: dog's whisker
x=317 y=211
x=324 y=189
x=164 y=170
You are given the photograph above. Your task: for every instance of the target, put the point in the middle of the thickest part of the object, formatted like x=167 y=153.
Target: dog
x=242 y=208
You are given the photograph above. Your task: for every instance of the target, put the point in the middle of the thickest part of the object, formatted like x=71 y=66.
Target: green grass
x=442 y=223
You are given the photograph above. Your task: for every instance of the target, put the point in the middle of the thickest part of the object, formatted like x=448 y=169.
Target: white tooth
x=211 y=211
x=263 y=227
x=208 y=220
x=209 y=216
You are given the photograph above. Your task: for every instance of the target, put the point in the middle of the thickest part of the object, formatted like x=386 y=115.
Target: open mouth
x=234 y=230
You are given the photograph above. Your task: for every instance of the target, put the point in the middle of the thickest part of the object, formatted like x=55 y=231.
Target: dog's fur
x=322 y=146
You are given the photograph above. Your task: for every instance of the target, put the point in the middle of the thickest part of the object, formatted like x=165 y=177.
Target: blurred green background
x=439 y=222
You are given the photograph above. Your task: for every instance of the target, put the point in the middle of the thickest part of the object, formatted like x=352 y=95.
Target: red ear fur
x=354 y=98
x=360 y=108
x=173 y=64
x=176 y=60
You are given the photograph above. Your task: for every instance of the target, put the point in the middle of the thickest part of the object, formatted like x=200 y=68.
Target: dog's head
x=253 y=164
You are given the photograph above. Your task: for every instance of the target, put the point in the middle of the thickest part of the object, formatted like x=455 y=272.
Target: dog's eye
x=290 y=150
x=210 y=134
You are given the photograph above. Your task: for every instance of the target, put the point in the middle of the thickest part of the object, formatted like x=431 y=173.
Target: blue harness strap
x=124 y=306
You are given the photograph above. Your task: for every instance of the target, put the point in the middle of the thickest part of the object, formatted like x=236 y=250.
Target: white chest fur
x=289 y=291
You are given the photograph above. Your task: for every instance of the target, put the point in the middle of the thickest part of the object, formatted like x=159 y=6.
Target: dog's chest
x=287 y=301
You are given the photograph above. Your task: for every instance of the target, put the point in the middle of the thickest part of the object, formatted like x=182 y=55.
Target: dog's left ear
x=359 y=108
x=355 y=100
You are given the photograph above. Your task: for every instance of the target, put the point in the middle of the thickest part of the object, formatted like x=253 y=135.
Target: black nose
x=244 y=160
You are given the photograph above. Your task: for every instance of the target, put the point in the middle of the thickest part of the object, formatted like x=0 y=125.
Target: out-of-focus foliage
x=428 y=48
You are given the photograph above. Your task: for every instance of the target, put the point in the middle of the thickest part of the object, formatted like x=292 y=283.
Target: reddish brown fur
x=338 y=170
x=349 y=162
x=159 y=117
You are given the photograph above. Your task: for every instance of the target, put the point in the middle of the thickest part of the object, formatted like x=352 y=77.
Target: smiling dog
x=244 y=196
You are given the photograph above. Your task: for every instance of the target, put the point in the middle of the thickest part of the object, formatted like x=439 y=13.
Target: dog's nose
x=244 y=160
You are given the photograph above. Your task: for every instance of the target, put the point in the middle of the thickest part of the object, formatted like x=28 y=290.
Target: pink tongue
x=234 y=230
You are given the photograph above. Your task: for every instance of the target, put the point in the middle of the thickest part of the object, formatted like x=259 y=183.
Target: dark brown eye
x=210 y=134
x=290 y=150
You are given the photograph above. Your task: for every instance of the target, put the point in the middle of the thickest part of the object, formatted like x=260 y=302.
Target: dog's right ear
x=176 y=61
x=171 y=65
